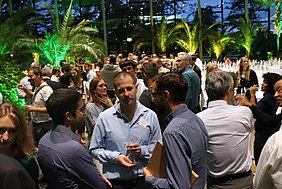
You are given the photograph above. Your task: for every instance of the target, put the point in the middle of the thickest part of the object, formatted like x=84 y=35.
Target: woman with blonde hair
x=211 y=67
x=16 y=138
x=246 y=77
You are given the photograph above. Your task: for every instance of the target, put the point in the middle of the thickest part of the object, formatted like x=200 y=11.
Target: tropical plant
x=165 y=34
x=246 y=34
x=218 y=41
x=189 y=36
x=67 y=40
x=277 y=18
x=15 y=28
x=10 y=76
x=141 y=36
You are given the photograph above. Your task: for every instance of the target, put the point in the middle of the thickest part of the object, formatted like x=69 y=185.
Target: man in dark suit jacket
x=13 y=175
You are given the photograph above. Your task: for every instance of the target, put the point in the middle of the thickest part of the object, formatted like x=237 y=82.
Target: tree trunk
x=200 y=31
x=104 y=26
x=1 y=1
x=246 y=11
x=10 y=3
x=57 y=20
x=152 y=26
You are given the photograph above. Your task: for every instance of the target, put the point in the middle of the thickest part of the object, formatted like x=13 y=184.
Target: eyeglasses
x=179 y=60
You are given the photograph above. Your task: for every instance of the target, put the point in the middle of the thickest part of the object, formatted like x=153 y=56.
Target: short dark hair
x=127 y=63
x=88 y=64
x=150 y=69
x=175 y=84
x=113 y=59
x=60 y=102
x=55 y=70
x=271 y=79
x=36 y=71
x=123 y=74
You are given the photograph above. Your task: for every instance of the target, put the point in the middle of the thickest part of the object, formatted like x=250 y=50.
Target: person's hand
x=106 y=100
x=135 y=149
x=20 y=86
x=125 y=161
x=107 y=181
x=253 y=90
x=29 y=108
x=242 y=100
x=147 y=173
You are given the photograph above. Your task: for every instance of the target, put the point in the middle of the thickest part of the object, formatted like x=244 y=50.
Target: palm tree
x=15 y=28
x=218 y=41
x=189 y=37
x=164 y=35
x=68 y=41
x=246 y=34
x=142 y=37
x=277 y=22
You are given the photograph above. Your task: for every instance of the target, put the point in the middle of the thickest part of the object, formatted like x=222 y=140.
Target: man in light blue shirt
x=124 y=136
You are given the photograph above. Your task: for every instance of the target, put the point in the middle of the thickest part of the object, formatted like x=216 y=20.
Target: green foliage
x=165 y=34
x=189 y=37
x=13 y=29
x=10 y=75
x=67 y=40
x=218 y=41
x=246 y=34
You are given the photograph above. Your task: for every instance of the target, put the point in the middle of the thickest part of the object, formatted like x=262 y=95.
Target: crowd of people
x=96 y=125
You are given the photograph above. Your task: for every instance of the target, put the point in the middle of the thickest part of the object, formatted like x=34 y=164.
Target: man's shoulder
x=50 y=146
x=185 y=118
x=145 y=109
x=108 y=112
x=275 y=140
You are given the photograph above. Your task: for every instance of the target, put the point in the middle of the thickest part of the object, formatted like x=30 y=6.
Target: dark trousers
x=138 y=183
x=40 y=129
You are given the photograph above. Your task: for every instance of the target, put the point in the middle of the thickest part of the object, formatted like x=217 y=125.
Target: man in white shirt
x=269 y=168
x=229 y=158
x=40 y=119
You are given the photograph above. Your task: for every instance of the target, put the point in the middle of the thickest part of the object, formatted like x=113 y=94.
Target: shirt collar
x=62 y=129
x=215 y=103
x=179 y=110
x=139 y=110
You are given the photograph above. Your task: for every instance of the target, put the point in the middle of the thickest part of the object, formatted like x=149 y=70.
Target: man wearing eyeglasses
x=65 y=163
x=183 y=66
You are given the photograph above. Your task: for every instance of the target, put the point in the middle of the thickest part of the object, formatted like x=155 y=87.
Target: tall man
x=124 y=136
x=64 y=161
x=229 y=158
x=183 y=65
x=40 y=119
x=185 y=137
